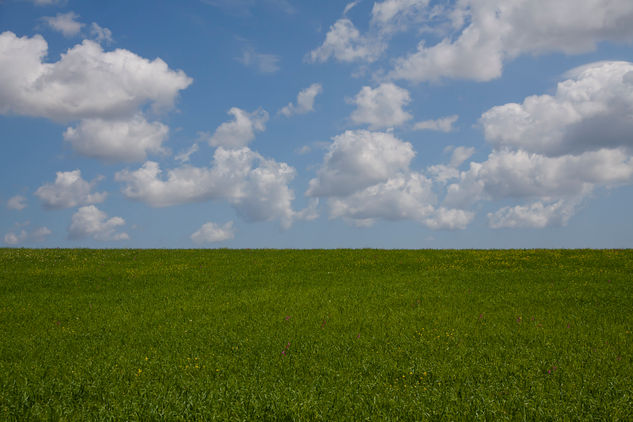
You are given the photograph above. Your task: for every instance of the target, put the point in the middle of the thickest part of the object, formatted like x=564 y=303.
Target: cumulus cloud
x=66 y=23
x=90 y=221
x=264 y=63
x=535 y=215
x=17 y=203
x=552 y=151
x=117 y=140
x=211 y=232
x=255 y=186
x=381 y=107
x=591 y=110
x=395 y=15
x=401 y=197
x=443 y=124
x=449 y=219
x=442 y=173
x=241 y=130
x=23 y=236
x=492 y=32
x=346 y=44
x=69 y=190
x=359 y=159
x=105 y=91
x=523 y=175
x=365 y=176
x=305 y=101
x=86 y=82
x=100 y=34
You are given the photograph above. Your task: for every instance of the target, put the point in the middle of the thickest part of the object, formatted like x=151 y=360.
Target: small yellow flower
x=146 y=358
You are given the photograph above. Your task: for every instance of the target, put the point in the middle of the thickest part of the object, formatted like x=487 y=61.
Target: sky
x=316 y=124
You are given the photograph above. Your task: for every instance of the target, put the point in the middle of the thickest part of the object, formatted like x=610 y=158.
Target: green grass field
x=316 y=335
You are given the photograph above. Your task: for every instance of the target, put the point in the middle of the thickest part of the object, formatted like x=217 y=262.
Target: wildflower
x=287 y=317
x=358 y=336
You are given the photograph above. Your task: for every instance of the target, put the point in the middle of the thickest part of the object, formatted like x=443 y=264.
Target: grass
x=316 y=335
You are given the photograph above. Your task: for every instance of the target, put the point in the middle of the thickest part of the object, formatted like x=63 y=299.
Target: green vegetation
x=316 y=335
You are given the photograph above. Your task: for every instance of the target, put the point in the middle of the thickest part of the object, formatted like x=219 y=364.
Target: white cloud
x=69 y=190
x=552 y=151
x=65 y=23
x=49 y=2
x=359 y=159
x=395 y=15
x=449 y=219
x=365 y=176
x=496 y=31
x=264 y=63
x=256 y=187
x=17 y=203
x=86 y=82
x=401 y=197
x=591 y=110
x=535 y=215
x=349 y=6
x=117 y=140
x=442 y=173
x=444 y=124
x=303 y=150
x=184 y=156
x=305 y=101
x=460 y=155
x=381 y=107
x=345 y=43
x=211 y=232
x=105 y=91
x=23 y=236
x=90 y=221
x=100 y=34
x=523 y=175
x=241 y=131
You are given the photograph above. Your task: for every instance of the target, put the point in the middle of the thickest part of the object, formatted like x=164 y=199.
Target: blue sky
x=316 y=124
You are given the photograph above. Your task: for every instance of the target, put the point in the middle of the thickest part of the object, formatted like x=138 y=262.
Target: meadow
x=316 y=334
